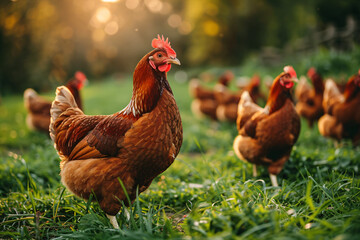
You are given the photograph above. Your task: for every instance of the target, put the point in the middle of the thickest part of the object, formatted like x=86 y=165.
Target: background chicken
x=302 y=90
x=38 y=108
x=204 y=102
x=133 y=145
x=228 y=101
x=309 y=103
x=267 y=135
x=254 y=89
x=342 y=118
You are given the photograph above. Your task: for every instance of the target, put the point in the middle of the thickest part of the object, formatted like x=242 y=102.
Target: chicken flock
x=119 y=155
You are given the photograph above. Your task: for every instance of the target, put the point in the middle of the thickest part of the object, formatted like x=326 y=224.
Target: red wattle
x=289 y=84
x=164 y=67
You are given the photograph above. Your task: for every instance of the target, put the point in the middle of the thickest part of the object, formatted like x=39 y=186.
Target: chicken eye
x=159 y=55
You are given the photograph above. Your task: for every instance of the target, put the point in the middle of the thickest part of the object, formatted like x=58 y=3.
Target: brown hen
x=204 y=103
x=132 y=146
x=309 y=103
x=38 y=108
x=342 y=118
x=267 y=135
x=228 y=101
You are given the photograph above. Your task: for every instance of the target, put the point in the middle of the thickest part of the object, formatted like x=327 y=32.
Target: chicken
x=227 y=104
x=267 y=135
x=133 y=145
x=204 y=103
x=310 y=100
x=302 y=90
x=228 y=101
x=342 y=118
x=38 y=108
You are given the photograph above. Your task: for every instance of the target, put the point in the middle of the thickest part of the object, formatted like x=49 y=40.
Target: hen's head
x=288 y=78
x=280 y=89
x=255 y=80
x=80 y=79
x=226 y=78
x=163 y=55
x=311 y=72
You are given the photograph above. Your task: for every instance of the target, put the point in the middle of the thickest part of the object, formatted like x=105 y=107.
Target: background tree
x=43 y=42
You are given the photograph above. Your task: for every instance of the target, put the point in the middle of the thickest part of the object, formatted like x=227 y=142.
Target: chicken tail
x=332 y=94
x=331 y=90
x=63 y=100
x=245 y=100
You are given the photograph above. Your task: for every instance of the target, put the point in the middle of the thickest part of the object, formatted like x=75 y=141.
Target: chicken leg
x=113 y=221
x=273 y=179
x=254 y=171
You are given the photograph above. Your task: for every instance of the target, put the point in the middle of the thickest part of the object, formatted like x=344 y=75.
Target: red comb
x=290 y=70
x=80 y=76
x=311 y=72
x=162 y=43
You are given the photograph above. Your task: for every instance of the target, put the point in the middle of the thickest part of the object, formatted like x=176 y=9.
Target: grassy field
x=206 y=194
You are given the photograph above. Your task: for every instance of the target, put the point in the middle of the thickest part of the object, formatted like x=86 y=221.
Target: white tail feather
x=331 y=92
x=63 y=100
x=244 y=100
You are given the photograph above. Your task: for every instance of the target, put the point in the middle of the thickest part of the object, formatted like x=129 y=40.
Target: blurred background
x=43 y=42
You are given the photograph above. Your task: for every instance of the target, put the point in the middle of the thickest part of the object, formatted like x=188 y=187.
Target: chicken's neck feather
x=148 y=85
x=278 y=96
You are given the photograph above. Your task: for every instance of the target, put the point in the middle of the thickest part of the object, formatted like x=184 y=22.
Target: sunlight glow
x=166 y=8
x=174 y=20
x=181 y=76
x=132 y=4
x=154 y=5
x=185 y=28
x=111 y=28
x=211 y=28
x=110 y=1
x=103 y=14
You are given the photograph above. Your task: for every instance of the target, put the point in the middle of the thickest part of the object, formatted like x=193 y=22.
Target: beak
x=86 y=82
x=173 y=60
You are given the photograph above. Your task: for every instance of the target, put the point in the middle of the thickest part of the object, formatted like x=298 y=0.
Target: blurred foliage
x=43 y=42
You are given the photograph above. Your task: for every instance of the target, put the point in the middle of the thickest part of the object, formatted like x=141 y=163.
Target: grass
x=206 y=194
